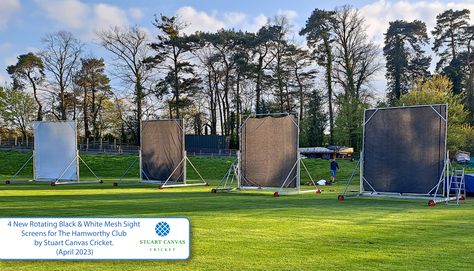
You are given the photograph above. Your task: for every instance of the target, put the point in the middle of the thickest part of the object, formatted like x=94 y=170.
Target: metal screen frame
x=73 y=163
x=436 y=194
x=235 y=170
x=142 y=176
x=166 y=183
x=59 y=180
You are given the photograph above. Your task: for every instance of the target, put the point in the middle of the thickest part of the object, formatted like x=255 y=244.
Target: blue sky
x=24 y=22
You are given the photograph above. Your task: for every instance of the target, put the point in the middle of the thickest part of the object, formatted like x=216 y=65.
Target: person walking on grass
x=334 y=168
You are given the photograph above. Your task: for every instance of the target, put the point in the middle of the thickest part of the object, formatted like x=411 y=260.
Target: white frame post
x=185 y=154
x=298 y=155
x=140 y=179
x=77 y=163
x=361 y=158
x=34 y=163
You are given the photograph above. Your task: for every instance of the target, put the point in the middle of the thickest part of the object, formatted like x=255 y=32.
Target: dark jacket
x=334 y=165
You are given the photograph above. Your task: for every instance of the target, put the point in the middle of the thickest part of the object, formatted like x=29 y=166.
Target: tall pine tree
x=450 y=38
x=319 y=37
x=406 y=59
x=94 y=85
x=181 y=80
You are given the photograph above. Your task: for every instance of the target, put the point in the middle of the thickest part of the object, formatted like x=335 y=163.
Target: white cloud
x=234 y=18
x=198 y=20
x=288 y=13
x=11 y=60
x=136 y=13
x=202 y=21
x=7 y=9
x=5 y=46
x=84 y=18
x=71 y=13
x=380 y=13
x=254 y=24
x=107 y=15
x=32 y=49
x=148 y=32
x=258 y=22
x=2 y=80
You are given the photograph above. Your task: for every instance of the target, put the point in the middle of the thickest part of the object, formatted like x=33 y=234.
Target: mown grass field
x=251 y=230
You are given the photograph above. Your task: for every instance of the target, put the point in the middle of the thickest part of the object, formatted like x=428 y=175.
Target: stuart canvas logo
x=166 y=239
x=162 y=229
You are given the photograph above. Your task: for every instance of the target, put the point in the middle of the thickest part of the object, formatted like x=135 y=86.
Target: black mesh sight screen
x=404 y=148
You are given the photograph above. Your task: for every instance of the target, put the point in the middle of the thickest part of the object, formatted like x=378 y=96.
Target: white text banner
x=94 y=238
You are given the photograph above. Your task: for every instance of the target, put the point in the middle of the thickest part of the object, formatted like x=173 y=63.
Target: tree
x=29 y=69
x=320 y=37
x=225 y=65
x=280 y=67
x=18 y=109
x=314 y=124
x=225 y=51
x=110 y=119
x=356 y=62
x=61 y=58
x=94 y=84
x=261 y=46
x=439 y=90
x=348 y=121
x=208 y=59
x=171 y=49
x=243 y=93
x=450 y=37
x=119 y=116
x=130 y=49
x=469 y=85
x=301 y=74
x=405 y=58
x=355 y=55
